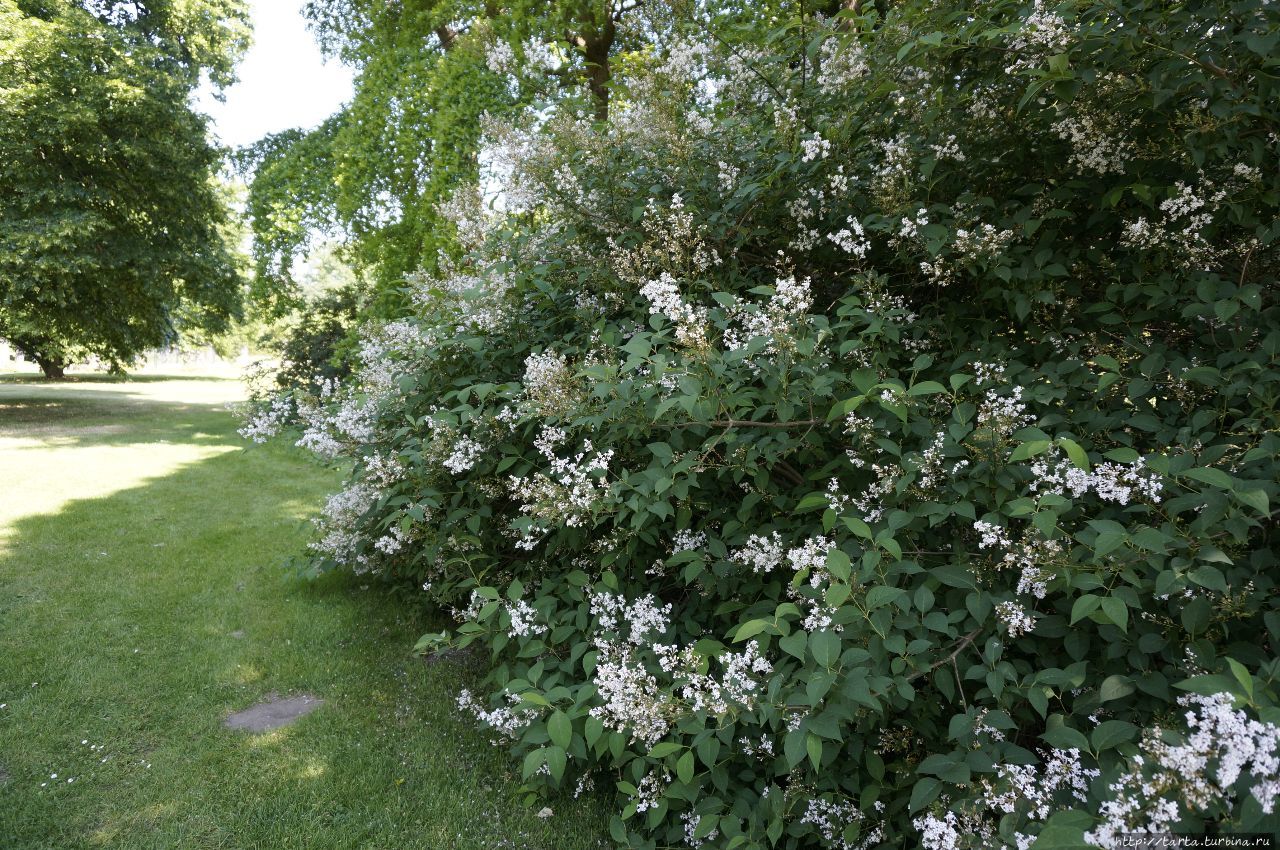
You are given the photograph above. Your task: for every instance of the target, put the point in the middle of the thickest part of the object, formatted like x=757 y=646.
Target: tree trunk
x=54 y=370
x=596 y=47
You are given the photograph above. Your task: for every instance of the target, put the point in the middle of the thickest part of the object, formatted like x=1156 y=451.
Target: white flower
x=815 y=147
x=1015 y=618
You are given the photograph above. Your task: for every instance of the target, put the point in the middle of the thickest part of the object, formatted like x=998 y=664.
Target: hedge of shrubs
x=868 y=437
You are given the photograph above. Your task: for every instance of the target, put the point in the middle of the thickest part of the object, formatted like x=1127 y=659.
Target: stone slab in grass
x=273 y=712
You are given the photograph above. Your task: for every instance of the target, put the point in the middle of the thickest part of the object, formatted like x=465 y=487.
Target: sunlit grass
x=143 y=598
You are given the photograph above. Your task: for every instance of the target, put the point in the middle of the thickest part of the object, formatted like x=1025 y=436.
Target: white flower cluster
x=464 y=456
x=500 y=57
x=773 y=321
x=810 y=558
x=727 y=174
x=665 y=299
x=1095 y=146
x=548 y=383
x=507 y=720
x=840 y=64
x=702 y=692
x=929 y=469
x=569 y=493
x=952 y=831
x=686 y=540
x=1034 y=792
x=909 y=228
x=640 y=619
x=691 y=822
x=1032 y=554
x=948 y=148
x=266 y=422
x=1043 y=34
x=815 y=147
x=987 y=373
x=686 y=60
x=1015 y=618
x=382 y=470
x=1004 y=414
x=895 y=164
x=333 y=430
x=523 y=618
x=1169 y=782
x=863 y=431
x=1111 y=482
x=992 y=535
x=466 y=209
x=393 y=541
x=763 y=553
x=1180 y=229
x=633 y=699
x=831 y=817
x=673 y=244
x=385 y=352
x=982 y=244
x=870 y=501
x=338 y=524
x=851 y=239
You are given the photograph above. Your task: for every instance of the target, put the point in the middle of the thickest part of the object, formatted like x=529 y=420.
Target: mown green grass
x=143 y=598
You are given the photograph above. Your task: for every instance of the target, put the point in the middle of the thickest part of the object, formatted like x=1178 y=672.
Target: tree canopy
x=113 y=229
x=429 y=74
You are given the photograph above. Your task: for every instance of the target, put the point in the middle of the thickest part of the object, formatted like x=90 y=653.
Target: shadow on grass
x=60 y=416
x=138 y=621
x=101 y=378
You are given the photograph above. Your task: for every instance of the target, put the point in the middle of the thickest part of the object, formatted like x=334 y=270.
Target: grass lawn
x=143 y=598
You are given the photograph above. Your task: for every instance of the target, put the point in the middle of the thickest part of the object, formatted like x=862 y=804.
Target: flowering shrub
x=868 y=437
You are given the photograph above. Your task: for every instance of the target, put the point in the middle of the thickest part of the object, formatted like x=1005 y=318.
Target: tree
x=428 y=74
x=113 y=230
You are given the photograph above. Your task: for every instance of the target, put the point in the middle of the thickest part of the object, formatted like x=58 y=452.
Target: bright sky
x=284 y=81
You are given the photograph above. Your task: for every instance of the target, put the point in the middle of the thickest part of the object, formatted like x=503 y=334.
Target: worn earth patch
x=273 y=712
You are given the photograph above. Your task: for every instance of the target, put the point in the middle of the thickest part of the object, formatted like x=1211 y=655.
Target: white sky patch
x=284 y=80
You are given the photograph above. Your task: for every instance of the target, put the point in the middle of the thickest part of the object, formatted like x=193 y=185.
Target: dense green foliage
x=113 y=232
x=867 y=437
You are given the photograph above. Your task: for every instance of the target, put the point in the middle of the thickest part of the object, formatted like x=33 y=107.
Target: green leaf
x=794 y=644
x=881 y=595
x=1066 y=738
x=838 y=564
x=594 y=728
x=813 y=745
x=926 y=790
x=1084 y=606
x=825 y=647
x=556 y=760
x=1242 y=676
x=1256 y=499
x=813 y=502
x=1029 y=449
x=684 y=767
x=1115 y=687
x=1116 y=612
x=1112 y=732
x=1078 y=457
x=1064 y=831
x=560 y=728
x=926 y=388
x=1209 y=475
x=750 y=629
